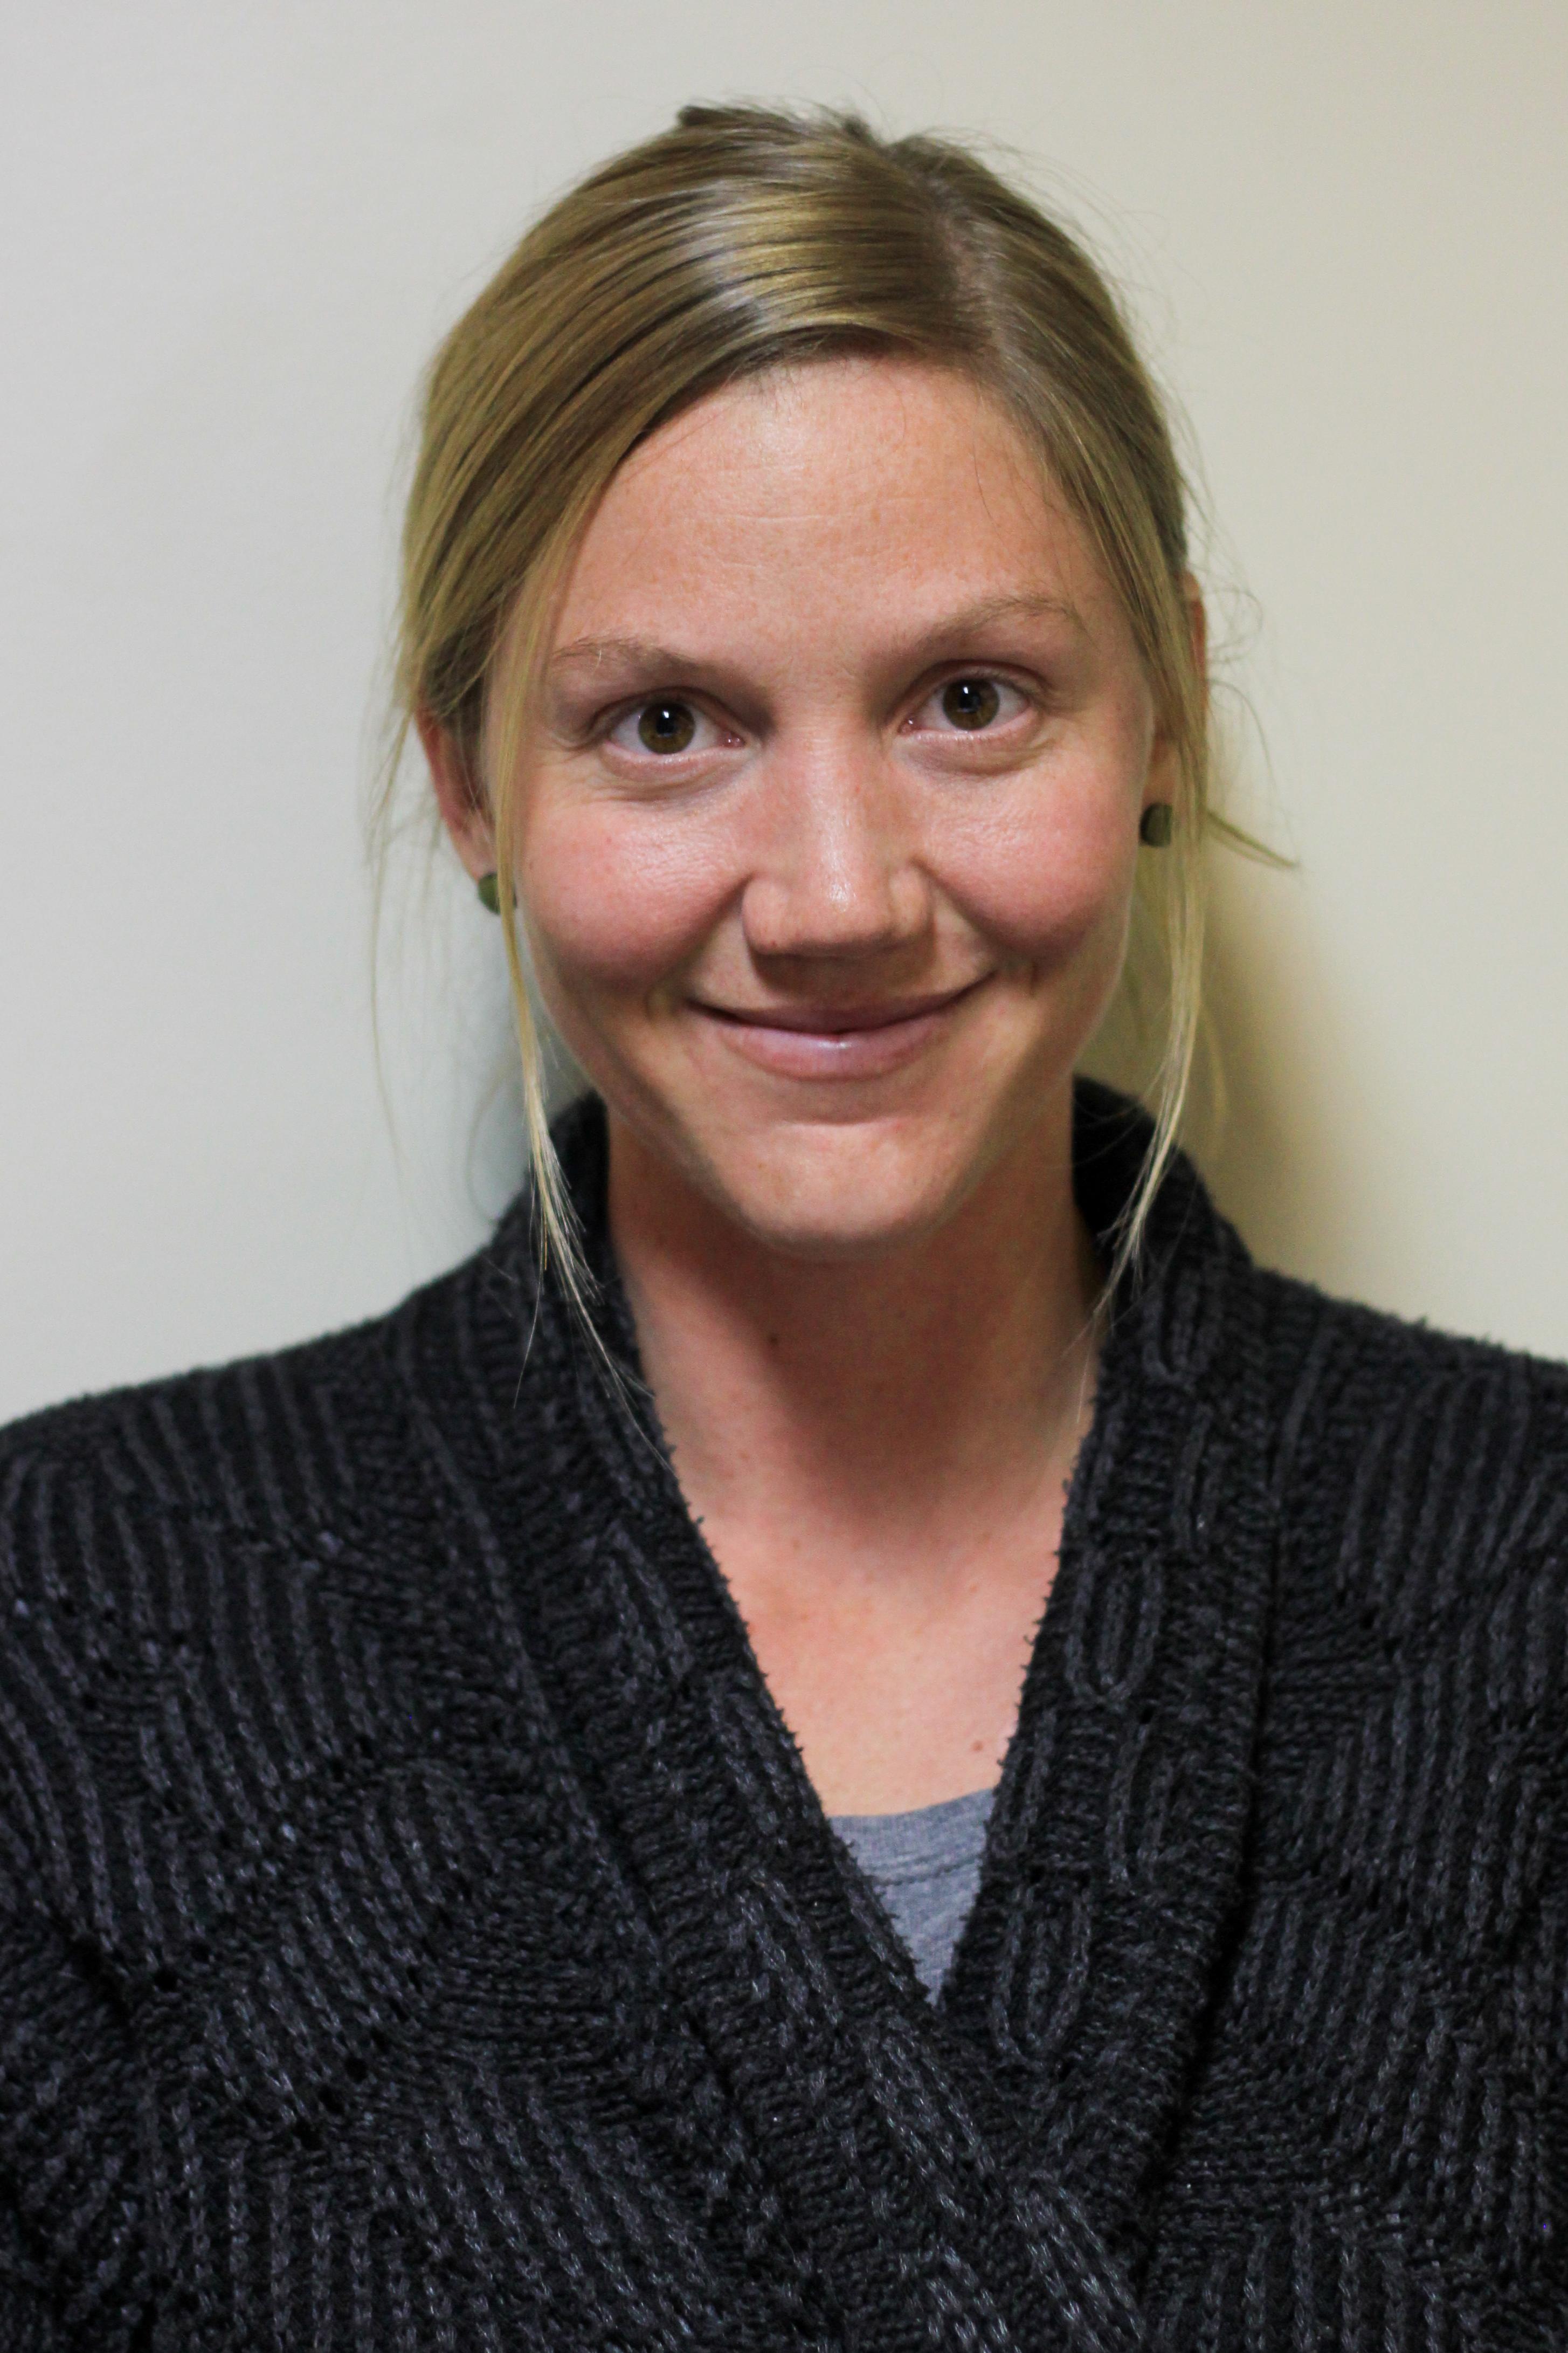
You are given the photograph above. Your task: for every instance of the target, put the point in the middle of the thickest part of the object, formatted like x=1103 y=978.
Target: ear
x=1197 y=628
x=1162 y=781
x=459 y=795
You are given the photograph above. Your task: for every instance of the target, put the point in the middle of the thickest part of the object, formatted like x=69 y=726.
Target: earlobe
x=459 y=797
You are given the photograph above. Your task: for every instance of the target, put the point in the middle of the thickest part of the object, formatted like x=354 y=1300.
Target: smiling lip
x=818 y=1041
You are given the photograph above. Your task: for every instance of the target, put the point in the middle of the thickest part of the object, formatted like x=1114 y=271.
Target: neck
x=889 y=1397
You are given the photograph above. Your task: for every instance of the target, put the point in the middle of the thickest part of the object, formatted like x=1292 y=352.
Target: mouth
x=828 y=1040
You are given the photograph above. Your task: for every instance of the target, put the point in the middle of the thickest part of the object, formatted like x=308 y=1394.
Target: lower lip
x=837 y=1054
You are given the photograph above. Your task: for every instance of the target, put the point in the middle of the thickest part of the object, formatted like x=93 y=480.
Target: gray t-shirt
x=925 y=1866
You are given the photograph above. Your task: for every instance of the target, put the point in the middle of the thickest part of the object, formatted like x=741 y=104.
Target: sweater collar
x=1033 y=2107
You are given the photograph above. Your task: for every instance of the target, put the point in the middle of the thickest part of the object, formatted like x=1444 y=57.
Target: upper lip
x=840 y=1020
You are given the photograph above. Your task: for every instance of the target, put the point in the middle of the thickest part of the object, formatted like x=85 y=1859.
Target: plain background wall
x=233 y=234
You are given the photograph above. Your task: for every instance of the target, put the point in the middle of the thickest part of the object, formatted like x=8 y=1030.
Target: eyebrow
x=646 y=657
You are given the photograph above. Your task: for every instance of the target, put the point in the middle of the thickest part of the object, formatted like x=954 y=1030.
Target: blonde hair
x=742 y=239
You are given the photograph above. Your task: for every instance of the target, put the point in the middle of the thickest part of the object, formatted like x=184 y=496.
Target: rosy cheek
x=621 y=897
x=1037 y=874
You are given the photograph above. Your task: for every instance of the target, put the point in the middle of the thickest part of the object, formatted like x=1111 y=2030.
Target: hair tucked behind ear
x=742 y=240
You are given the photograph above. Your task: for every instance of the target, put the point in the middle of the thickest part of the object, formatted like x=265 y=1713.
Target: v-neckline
x=1076 y=1993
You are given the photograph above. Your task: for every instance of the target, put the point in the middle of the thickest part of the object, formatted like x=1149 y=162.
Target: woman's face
x=828 y=819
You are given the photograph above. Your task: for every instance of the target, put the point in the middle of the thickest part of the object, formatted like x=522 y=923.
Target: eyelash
x=1021 y=700
x=627 y=721
x=631 y=719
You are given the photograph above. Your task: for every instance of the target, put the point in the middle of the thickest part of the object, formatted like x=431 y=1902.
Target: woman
x=859 y=1735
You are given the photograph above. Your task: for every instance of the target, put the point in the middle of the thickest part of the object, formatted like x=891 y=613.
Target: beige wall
x=233 y=234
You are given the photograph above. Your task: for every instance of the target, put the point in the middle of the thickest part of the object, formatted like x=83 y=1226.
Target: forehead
x=834 y=493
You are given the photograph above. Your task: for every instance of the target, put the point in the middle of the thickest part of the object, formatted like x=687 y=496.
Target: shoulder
x=252 y=1443
x=216 y=1591
x=130 y=1523
x=202 y=1576
x=1367 y=1405
x=1421 y=1488
x=127 y=1518
x=277 y=1446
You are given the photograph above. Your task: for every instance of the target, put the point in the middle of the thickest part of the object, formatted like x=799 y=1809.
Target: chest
x=894 y=1643
x=471 y=2075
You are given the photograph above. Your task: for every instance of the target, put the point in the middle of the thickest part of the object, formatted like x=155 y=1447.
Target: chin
x=842 y=1196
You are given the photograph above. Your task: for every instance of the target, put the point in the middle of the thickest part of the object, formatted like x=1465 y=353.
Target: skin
x=830 y=966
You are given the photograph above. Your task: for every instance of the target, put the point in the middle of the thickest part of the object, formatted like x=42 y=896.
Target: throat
x=877 y=1457
x=896 y=1653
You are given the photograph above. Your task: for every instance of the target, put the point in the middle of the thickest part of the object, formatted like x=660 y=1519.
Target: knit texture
x=417 y=1931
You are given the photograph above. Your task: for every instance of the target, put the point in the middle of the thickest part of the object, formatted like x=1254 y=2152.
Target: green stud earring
x=489 y=888
x=1156 y=825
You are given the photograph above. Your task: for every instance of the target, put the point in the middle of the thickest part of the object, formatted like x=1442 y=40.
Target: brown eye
x=667 y=727
x=971 y=701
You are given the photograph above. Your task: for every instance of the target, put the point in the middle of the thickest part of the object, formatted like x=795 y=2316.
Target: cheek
x=619 y=899
x=1047 y=872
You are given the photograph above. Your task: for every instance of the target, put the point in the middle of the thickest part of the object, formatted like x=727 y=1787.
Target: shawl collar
x=927 y=2160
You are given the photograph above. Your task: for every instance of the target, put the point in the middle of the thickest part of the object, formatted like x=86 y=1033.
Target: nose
x=837 y=872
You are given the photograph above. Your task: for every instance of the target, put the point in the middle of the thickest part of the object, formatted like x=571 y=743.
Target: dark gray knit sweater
x=417 y=1929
